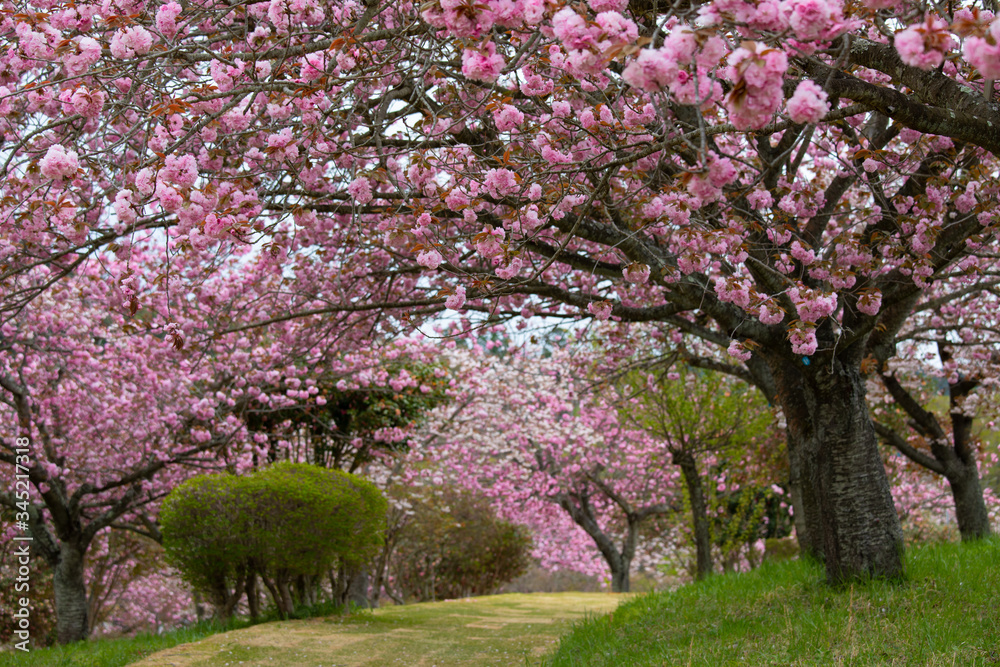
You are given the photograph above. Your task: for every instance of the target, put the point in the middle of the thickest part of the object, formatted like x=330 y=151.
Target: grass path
x=507 y=630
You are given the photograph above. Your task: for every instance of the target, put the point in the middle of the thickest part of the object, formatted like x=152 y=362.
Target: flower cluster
x=924 y=45
x=756 y=71
x=682 y=65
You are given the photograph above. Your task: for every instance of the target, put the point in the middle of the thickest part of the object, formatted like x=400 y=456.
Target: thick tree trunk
x=801 y=445
x=807 y=511
x=862 y=537
x=845 y=490
x=699 y=513
x=70 y=595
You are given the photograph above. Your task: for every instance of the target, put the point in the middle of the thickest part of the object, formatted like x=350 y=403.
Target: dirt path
x=494 y=630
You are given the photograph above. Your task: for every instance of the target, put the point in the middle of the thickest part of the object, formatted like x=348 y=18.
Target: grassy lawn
x=109 y=652
x=947 y=612
x=504 y=630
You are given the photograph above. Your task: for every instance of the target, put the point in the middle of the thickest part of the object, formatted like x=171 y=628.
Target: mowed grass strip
x=492 y=630
x=946 y=612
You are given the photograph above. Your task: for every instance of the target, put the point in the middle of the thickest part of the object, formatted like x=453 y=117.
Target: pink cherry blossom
x=739 y=351
x=870 y=302
x=501 y=182
x=814 y=19
x=924 y=45
x=636 y=273
x=507 y=118
x=180 y=170
x=480 y=66
x=360 y=188
x=125 y=208
x=430 y=259
x=608 y=5
x=131 y=42
x=489 y=242
x=803 y=341
x=166 y=19
x=456 y=300
x=983 y=53
x=756 y=71
x=599 y=309
x=80 y=55
x=809 y=103
x=770 y=313
x=59 y=163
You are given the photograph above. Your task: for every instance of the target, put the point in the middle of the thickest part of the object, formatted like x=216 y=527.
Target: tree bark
x=620 y=578
x=224 y=601
x=699 y=513
x=619 y=562
x=955 y=459
x=70 y=594
x=800 y=443
x=844 y=486
x=285 y=603
x=253 y=598
x=272 y=588
x=970 y=508
x=962 y=471
x=357 y=588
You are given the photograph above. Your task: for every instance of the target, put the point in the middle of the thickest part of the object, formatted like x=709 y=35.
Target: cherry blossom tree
x=112 y=420
x=120 y=403
x=948 y=446
x=526 y=432
x=694 y=415
x=783 y=178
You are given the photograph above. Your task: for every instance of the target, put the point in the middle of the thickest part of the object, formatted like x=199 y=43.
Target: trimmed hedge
x=286 y=521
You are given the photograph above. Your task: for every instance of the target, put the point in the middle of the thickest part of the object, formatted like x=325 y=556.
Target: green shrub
x=284 y=522
x=455 y=546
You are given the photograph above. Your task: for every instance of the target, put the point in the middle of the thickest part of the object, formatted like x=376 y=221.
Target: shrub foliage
x=455 y=546
x=283 y=522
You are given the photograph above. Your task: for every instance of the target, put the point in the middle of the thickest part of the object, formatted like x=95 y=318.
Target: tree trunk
x=807 y=512
x=800 y=443
x=272 y=588
x=199 y=606
x=577 y=505
x=253 y=599
x=357 y=588
x=954 y=459
x=961 y=470
x=844 y=486
x=699 y=513
x=619 y=577
x=286 y=605
x=226 y=602
x=970 y=508
x=70 y=595
x=862 y=537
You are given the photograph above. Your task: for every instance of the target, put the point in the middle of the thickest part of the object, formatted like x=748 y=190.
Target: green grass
x=111 y=652
x=499 y=630
x=946 y=612
x=118 y=651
